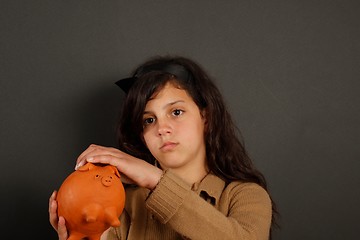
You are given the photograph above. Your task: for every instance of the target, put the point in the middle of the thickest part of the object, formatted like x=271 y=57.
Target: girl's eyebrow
x=173 y=103
x=167 y=105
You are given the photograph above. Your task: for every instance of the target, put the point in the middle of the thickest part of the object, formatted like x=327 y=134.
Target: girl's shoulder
x=243 y=185
x=246 y=190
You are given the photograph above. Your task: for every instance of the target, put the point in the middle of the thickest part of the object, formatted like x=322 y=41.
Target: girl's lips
x=168 y=146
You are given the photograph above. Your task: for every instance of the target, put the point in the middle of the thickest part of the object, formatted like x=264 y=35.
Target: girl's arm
x=244 y=210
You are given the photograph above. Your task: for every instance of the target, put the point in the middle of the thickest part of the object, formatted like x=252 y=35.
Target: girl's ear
x=203 y=114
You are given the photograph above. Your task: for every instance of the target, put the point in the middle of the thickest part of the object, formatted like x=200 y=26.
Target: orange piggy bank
x=91 y=200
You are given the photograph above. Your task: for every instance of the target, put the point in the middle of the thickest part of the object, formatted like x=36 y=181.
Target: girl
x=186 y=173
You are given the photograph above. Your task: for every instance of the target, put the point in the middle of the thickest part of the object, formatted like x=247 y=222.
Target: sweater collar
x=210 y=187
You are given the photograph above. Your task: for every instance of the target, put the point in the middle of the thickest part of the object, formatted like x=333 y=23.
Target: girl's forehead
x=168 y=90
x=169 y=95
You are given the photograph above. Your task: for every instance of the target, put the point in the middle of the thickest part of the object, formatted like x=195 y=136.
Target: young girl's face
x=174 y=130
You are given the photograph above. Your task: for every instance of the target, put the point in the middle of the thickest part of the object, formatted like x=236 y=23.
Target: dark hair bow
x=179 y=71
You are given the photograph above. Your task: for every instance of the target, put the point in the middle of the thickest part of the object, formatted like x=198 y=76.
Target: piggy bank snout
x=106 y=180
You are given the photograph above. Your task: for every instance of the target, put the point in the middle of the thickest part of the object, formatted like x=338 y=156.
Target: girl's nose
x=164 y=127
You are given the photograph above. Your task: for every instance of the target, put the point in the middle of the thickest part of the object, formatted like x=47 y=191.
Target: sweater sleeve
x=244 y=210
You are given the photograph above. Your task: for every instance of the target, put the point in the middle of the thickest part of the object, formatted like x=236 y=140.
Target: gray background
x=289 y=71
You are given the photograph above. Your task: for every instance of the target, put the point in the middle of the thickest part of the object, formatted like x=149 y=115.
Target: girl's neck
x=191 y=176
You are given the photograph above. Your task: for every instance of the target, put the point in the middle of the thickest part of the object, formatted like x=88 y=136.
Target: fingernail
x=89 y=159
x=77 y=166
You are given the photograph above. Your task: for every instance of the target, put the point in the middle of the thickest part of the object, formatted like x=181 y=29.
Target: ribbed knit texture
x=167 y=197
x=174 y=210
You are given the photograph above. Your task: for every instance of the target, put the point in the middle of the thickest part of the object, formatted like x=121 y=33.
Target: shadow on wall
x=24 y=202
x=25 y=213
x=97 y=117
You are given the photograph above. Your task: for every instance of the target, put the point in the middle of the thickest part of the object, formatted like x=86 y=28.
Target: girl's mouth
x=168 y=146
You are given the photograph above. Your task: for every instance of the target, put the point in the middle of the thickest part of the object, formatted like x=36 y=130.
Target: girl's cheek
x=147 y=140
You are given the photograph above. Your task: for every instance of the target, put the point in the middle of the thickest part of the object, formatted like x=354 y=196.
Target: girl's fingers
x=52 y=198
x=105 y=159
x=81 y=160
x=132 y=169
x=53 y=218
x=62 y=231
x=95 y=151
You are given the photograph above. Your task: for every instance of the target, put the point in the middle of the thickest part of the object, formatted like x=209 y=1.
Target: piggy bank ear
x=115 y=170
x=87 y=167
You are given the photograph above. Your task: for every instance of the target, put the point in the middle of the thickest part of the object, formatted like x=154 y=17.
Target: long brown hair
x=225 y=152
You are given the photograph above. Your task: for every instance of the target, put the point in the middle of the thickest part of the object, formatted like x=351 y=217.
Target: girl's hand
x=132 y=170
x=58 y=223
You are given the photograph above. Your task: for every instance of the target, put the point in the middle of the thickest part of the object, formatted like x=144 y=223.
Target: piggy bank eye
x=97 y=176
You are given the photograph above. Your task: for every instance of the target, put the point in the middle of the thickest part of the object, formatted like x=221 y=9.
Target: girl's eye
x=148 y=121
x=177 y=112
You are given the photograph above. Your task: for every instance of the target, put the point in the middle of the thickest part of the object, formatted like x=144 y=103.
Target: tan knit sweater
x=207 y=210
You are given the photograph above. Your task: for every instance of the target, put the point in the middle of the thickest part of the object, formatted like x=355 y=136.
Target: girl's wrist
x=158 y=178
